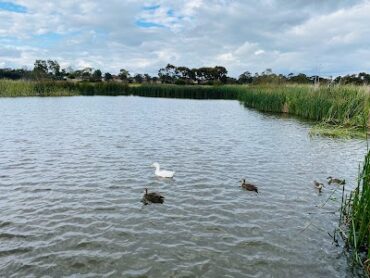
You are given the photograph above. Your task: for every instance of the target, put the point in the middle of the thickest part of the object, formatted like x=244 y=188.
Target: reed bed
x=10 y=88
x=355 y=214
x=183 y=91
x=347 y=106
x=344 y=106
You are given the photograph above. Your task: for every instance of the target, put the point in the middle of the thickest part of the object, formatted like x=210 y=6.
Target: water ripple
x=73 y=172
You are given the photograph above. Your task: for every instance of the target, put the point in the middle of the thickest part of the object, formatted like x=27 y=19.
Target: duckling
x=152 y=197
x=318 y=185
x=337 y=181
x=248 y=186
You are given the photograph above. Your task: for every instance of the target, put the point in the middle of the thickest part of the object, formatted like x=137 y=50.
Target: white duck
x=162 y=173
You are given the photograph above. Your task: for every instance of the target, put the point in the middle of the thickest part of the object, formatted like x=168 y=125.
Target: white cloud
x=259 y=52
x=297 y=36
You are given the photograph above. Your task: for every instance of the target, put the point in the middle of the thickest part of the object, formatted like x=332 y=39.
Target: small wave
x=105 y=209
x=5 y=223
x=15 y=251
x=78 y=265
x=41 y=190
x=10 y=236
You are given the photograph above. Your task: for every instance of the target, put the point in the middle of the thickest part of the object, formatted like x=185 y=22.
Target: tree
x=124 y=74
x=15 y=73
x=138 y=78
x=364 y=77
x=185 y=74
x=147 y=78
x=75 y=74
x=268 y=76
x=108 y=77
x=204 y=74
x=209 y=75
x=220 y=74
x=299 y=78
x=232 y=80
x=268 y=71
x=86 y=74
x=54 y=69
x=338 y=79
x=40 y=69
x=96 y=76
x=63 y=74
x=245 y=78
x=193 y=74
x=168 y=74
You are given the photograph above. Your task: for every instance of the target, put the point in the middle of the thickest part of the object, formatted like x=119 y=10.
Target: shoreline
x=331 y=107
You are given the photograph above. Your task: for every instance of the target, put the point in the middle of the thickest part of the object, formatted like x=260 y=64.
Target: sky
x=326 y=37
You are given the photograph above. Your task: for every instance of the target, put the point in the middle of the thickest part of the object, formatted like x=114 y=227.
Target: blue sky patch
x=49 y=36
x=148 y=24
x=170 y=12
x=43 y=41
x=11 y=7
x=151 y=8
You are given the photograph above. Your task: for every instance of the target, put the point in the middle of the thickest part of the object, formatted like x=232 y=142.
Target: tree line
x=51 y=70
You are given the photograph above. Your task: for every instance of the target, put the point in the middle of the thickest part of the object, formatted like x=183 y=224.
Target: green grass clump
x=356 y=214
x=21 y=88
x=341 y=105
x=183 y=91
x=335 y=131
x=10 y=88
x=262 y=97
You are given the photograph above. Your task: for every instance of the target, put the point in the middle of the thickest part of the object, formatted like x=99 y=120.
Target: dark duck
x=152 y=197
x=248 y=186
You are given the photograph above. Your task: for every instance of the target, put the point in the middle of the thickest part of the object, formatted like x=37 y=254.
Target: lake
x=73 y=171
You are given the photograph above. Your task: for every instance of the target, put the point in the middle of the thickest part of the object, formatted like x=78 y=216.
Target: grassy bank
x=356 y=218
x=344 y=106
x=185 y=91
x=9 y=88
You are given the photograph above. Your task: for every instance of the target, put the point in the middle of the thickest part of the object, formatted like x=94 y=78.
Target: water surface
x=73 y=171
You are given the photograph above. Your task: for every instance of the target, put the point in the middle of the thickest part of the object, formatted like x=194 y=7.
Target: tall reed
x=10 y=88
x=183 y=91
x=356 y=214
x=340 y=105
x=346 y=106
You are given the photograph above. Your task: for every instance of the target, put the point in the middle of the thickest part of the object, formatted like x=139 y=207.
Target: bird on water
x=318 y=185
x=162 y=173
x=336 y=181
x=248 y=186
x=152 y=197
